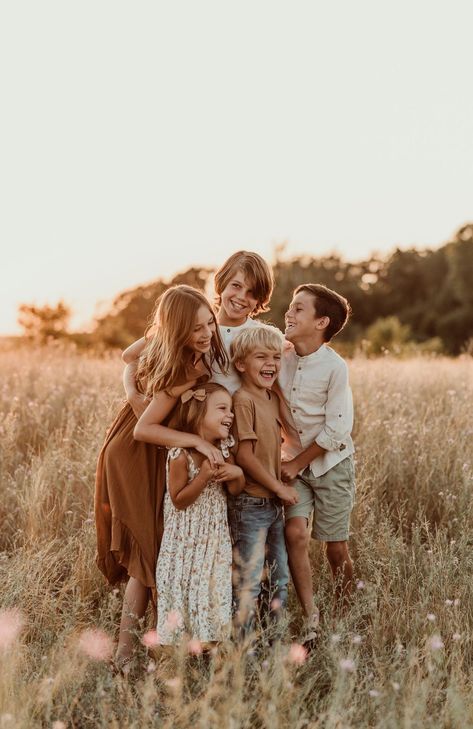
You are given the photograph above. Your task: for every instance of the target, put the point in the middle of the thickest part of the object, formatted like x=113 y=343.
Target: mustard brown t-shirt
x=257 y=419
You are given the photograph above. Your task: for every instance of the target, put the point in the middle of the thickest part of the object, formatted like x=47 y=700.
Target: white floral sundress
x=194 y=570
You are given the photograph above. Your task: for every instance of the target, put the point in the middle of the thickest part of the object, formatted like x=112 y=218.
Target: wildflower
x=297 y=653
x=356 y=640
x=448 y=603
x=194 y=647
x=360 y=585
x=173 y=683
x=265 y=665
x=11 y=624
x=346 y=664
x=150 y=667
x=150 y=639
x=374 y=693
x=436 y=643
x=96 y=644
x=456 y=602
x=58 y=725
x=335 y=638
x=431 y=617
x=174 y=620
x=276 y=604
x=456 y=636
x=396 y=686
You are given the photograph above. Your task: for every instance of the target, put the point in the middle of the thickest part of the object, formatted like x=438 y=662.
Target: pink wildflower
x=11 y=624
x=194 y=647
x=436 y=643
x=96 y=644
x=346 y=664
x=150 y=639
x=297 y=654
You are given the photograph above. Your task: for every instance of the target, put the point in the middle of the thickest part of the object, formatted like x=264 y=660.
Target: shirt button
x=293 y=388
x=228 y=331
x=299 y=368
x=293 y=410
x=300 y=431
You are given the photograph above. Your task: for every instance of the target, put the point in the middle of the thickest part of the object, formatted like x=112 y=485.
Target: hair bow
x=199 y=395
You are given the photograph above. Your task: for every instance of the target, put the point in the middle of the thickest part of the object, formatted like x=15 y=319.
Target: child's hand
x=289 y=470
x=207 y=470
x=287 y=494
x=227 y=472
x=208 y=450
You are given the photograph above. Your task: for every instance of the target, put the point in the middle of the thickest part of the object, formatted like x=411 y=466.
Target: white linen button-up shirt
x=231 y=380
x=318 y=395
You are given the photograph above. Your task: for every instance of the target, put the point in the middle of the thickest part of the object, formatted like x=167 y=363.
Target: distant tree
x=44 y=322
x=132 y=310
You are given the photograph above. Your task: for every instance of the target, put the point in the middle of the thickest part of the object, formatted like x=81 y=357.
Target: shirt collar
x=318 y=354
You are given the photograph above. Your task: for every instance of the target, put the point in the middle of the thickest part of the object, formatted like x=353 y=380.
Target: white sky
x=140 y=138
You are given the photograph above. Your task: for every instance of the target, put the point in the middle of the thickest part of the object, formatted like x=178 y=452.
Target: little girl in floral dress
x=194 y=570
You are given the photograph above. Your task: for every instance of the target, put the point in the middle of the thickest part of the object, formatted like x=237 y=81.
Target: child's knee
x=337 y=553
x=297 y=535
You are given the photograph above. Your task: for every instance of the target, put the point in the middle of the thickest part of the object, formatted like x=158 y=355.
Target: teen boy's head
x=242 y=271
x=316 y=311
x=256 y=354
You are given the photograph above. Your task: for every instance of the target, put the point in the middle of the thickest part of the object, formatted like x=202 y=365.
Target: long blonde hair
x=167 y=358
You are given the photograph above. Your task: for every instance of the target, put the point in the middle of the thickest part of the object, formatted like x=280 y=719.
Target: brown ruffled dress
x=129 y=492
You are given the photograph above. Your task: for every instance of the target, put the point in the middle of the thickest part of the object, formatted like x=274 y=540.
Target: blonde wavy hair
x=167 y=358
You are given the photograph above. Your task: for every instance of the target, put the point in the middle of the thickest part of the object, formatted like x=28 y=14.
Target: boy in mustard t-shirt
x=256 y=515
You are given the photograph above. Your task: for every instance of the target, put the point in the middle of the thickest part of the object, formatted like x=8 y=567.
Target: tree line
x=412 y=298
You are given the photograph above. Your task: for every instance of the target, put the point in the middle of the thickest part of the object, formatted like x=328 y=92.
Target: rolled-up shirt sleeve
x=338 y=412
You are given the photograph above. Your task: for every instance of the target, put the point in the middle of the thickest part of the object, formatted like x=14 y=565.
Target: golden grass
x=412 y=544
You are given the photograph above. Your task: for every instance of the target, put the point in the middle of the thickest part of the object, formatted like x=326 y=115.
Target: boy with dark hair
x=318 y=454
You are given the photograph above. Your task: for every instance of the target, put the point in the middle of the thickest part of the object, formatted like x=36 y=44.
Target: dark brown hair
x=328 y=303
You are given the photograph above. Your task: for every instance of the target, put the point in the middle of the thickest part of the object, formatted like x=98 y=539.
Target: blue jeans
x=257 y=531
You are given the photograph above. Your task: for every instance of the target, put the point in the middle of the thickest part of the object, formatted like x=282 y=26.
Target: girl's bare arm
x=149 y=427
x=131 y=353
x=182 y=492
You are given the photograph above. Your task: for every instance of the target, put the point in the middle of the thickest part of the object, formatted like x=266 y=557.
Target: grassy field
x=402 y=657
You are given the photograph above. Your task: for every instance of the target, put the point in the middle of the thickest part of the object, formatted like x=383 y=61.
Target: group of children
x=257 y=427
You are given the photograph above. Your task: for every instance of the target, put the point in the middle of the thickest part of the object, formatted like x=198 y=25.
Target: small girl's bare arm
x=182 y=492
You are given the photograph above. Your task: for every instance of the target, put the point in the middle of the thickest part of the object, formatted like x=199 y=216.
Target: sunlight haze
x=139 y=139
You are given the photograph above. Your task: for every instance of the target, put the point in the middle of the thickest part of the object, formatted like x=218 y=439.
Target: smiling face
x=260 y=367
x=218 y=418
x=202 y=331
x=238 y=301
x=302 y=323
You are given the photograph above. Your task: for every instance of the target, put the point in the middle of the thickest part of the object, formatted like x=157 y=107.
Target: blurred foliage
x=413 y=300
x=41 y=323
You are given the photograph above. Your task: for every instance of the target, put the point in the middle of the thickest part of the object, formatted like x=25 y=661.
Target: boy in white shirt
x=318 y=454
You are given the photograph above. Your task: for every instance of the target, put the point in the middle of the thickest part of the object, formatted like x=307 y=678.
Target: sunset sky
x=138 y=139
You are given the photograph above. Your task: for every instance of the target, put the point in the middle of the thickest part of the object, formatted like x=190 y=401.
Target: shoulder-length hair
x=167 y=359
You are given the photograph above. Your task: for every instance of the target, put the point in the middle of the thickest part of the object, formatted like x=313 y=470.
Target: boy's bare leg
x=342 y=571
x=135 y=602
x=297 y=543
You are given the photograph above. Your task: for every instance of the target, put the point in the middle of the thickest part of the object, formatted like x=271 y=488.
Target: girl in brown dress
x=181 y=345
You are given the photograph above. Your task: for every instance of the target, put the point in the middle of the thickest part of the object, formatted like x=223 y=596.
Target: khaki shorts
x=331 y=497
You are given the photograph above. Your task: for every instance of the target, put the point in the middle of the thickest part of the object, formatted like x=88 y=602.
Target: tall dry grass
x=402 y=657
